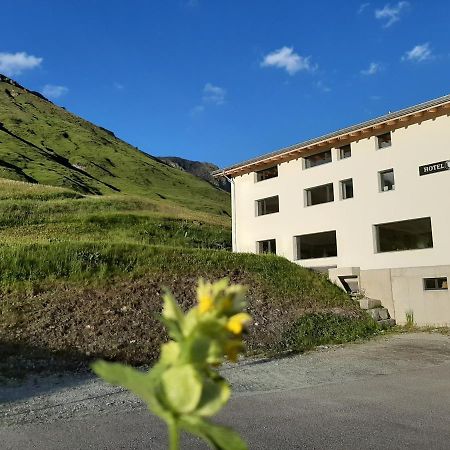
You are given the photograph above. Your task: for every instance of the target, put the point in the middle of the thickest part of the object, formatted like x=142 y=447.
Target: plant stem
x=174 y=437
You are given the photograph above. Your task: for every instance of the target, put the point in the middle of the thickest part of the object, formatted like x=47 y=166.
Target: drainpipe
x=233 y=212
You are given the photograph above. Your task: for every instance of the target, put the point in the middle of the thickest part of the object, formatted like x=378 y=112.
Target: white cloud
x=322 y=86
x=363 y=7
x=196 y=110
x=15 y=63
x=53 y=91
x=419 y=53
x=118 y=86
x=214 y=94
x=372 y=69
x=391 y=14
x=286 y=58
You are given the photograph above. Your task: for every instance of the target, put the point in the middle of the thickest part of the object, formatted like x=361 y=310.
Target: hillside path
x=392 y=392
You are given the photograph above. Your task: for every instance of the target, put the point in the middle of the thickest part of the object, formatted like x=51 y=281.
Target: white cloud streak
x=391 y=14
x=54 y=91
x=418 y=53
x=372 y=69
x=15 y=63
x=363 y=7
x=214 y=94
x=211 y=95
x=322 y=86
x=285 y=58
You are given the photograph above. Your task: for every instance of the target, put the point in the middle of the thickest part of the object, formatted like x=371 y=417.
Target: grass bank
x=81 y=277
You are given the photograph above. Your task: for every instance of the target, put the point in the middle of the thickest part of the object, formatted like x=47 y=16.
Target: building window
x=268 y=246
x=318 y=159
x=268 y=205
x=265 y=174
x=316 y=245
x=319 y=194
x=346 y=189
x=435 y=284
x=404 y=235
x=387 y=181
x=384 y=140
x=345 y=151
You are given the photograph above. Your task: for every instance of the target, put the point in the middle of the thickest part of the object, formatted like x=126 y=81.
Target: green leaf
x=197 y=348
x=215 y=395
x=220 y=438
x=182 y=388
x=172 y=316
x=141 y=384
x=170 y=353
x=171 y=309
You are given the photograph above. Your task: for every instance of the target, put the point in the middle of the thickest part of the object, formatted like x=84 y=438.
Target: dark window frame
x=265 y=174
x=311 y=161
x=299 y=256
x=342 y=151
x=436 y=281
x=381 y=181
x=384 y=140
x=308 y=194
x=262 y=207
x=343 y=191
x=384 y=243
x=271 y=246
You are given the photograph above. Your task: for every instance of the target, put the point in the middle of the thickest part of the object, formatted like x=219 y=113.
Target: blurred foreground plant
x=184 y=388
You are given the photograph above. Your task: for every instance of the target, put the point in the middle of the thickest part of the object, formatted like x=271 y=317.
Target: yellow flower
x=237 y=322
x=205 y=303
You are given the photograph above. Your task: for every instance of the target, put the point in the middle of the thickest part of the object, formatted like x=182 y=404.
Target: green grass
x=38 y=264
x=41 y=214
x=316 y=329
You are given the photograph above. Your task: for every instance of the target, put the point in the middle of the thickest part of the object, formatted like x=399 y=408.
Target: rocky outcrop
x=199 y=169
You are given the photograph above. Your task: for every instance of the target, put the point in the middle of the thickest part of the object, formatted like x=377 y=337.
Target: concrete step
x=378 y=313
x=387 y=323
x=369 y=303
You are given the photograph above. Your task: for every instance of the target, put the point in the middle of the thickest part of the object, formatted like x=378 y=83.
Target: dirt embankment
x=119 y=321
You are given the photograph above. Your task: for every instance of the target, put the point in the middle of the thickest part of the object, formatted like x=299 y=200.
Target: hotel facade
x=369 y=204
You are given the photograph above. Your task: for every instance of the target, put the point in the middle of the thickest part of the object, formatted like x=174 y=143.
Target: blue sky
x=224 y=81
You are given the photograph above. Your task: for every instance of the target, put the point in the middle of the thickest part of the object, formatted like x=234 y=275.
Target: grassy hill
x=43 y=143
x=83 y=262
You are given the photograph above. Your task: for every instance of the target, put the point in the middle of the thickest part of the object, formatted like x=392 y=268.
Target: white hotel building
x=370 y=204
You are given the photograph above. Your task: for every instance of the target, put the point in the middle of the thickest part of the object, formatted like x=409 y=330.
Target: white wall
x=353 y=219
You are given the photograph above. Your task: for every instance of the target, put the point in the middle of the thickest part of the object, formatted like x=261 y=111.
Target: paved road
x=389 y=393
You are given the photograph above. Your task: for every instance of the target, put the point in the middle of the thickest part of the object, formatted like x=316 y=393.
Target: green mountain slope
x=43 y=143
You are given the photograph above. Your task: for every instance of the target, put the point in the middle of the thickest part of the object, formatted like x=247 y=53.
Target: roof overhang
x=380 y=125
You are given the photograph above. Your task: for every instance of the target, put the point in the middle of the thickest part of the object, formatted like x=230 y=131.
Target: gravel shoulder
x=81 y=395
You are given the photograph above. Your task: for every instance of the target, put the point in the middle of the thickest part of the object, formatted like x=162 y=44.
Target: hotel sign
x=434 y=168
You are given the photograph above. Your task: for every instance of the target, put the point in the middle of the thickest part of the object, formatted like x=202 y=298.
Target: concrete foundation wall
x=402 y=291
x=377 y=284
x=428 y=307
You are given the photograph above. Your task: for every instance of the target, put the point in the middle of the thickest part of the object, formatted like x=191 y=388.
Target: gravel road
x=391 y=392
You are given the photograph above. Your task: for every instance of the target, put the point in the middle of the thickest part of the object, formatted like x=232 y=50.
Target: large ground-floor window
x=404 y=235
x=316 y=245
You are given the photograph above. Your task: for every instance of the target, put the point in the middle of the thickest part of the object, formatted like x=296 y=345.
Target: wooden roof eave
x=354 y=135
